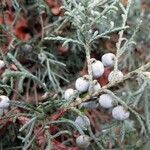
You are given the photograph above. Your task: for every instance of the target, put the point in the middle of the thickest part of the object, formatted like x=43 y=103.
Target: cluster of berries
x=106 y=101
x=82 y=83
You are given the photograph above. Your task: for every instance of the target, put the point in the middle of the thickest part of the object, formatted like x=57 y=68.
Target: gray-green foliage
x=89 y=21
